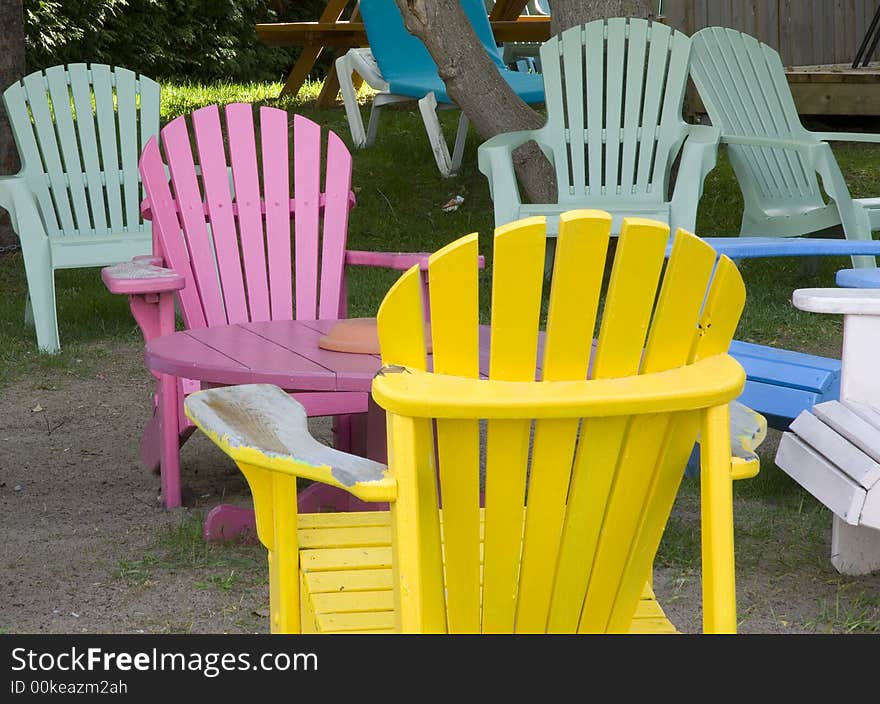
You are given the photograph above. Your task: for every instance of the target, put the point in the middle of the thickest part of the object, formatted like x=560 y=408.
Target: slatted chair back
x=742 y=85
x=400 y=54
x=597 y=479
x=79 y=130
x=251 y=244
x=614 y=93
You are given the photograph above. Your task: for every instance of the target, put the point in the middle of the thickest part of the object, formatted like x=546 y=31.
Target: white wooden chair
x=833 y=451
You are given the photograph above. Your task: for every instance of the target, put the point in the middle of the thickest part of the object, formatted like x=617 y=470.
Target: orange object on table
x=358 y=335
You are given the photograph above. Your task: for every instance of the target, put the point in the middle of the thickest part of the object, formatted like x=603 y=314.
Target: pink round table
x=284 y=353
x=280 y=352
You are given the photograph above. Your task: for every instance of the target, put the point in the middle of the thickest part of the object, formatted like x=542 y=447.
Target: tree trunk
x=569 y=13
x=473 y=82
x=11 y=69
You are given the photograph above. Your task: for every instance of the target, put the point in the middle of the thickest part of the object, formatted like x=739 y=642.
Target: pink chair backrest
x=232 y=241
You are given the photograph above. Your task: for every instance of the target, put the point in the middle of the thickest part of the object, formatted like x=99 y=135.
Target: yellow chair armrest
x=262 y=426
x=741 y=468
x=709 y=382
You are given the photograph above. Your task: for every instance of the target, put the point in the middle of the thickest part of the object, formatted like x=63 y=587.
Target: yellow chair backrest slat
x=577 y=277
x=517 y=280
x=455 y=319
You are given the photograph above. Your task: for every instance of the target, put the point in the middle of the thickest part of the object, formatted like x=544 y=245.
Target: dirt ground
x=87 y=547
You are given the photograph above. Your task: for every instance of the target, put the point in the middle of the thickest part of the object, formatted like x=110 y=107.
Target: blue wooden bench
x=781 y=383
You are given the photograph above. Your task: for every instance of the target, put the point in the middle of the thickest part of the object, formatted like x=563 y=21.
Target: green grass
x=182 y=98
x=181 y=547
x=850 y=611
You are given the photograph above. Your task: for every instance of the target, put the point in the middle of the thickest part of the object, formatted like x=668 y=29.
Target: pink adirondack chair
x=223 y=248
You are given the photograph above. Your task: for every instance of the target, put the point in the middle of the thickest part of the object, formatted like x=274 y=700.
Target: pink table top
x=280 y=352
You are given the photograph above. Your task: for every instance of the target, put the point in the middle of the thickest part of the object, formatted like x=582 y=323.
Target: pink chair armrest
x=139 y=277
x=148 y=259
x=392 y=260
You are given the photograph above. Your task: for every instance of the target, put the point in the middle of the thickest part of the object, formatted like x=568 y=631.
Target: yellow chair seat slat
x=345 y=558
x=650 y=625
x=359 y=621
x=348 y=602
x=352 y=580
x=354 y=536
x=344 y=520
x=347 y=592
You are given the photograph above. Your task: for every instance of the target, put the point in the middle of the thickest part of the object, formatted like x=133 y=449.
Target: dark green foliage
x=199 y=40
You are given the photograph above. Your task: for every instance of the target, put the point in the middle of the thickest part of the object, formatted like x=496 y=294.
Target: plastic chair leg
x=344 y=71
x=428 y=108
x=460 y=139
x=41 y=294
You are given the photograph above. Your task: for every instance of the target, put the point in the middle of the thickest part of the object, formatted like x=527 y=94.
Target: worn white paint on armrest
x=849 y=301
x=138 y=270
x=262 y=417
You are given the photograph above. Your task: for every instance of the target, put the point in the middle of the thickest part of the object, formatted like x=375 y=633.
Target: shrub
x=198 y=40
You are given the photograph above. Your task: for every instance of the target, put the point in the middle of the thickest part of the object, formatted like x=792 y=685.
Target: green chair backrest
x=614 y=95
x=742 y=85
x=80 y=130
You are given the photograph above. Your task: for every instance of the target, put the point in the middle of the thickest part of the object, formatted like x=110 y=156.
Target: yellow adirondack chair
x=580 y=475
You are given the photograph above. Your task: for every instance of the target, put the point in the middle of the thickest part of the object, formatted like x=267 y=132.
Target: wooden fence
x=804 y=32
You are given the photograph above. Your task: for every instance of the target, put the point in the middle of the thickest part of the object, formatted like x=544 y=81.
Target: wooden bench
x=781 y=383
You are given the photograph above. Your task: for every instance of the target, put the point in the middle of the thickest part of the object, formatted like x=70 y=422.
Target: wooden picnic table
x=330 y=31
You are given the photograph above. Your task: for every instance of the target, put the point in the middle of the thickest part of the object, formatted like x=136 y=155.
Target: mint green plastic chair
x=614 y=92
x=742 y=84
x=76 y=201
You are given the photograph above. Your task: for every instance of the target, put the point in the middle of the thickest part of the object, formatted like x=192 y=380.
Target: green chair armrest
x=761 y=141
x=847 y=137
x=698 y=157
x=18 y=200
x=703 y=134
x=508 y=141
x=12 y=188
x=495 y=161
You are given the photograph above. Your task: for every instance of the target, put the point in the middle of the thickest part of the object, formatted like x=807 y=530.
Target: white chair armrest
x=848 y=301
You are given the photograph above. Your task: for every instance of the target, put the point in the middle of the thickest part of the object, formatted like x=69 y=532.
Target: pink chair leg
x=170 y=450
x=376 y=441
x=342 y=432
x=151 y=443
x=359 y=435
x=228 y=522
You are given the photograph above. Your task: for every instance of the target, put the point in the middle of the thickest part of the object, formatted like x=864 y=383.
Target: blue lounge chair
x=399 y=66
